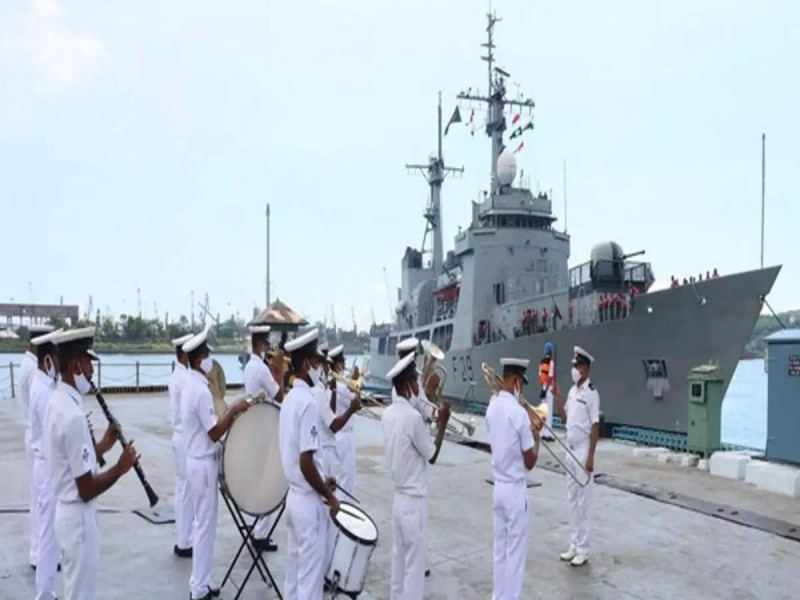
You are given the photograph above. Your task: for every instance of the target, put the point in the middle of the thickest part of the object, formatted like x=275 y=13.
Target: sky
x=141 y=141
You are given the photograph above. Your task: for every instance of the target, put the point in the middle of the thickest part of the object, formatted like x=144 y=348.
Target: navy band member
x=346 y=403
x=41 y=391
x=184 y=513
x=73 y=464
x=409 y=451
x=582 y=417
x=28 y=366
x=307 y=517
x=202 y=430
x=420 y=402
x=257 y=377
x=515 y=449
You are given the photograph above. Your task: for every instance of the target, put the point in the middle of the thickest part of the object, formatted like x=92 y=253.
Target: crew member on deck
x=202 y=430
x=72 y=457
x=258 y=376
x=515 y=449
x=547 y=374
x=184 y=513
x=41 y=391
x=582 y=418
x=307 y=515
x=409 y=451
x=28 y=366
x=345 y=403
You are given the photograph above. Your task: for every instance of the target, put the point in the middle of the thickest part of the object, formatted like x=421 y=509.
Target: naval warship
x=478 y=302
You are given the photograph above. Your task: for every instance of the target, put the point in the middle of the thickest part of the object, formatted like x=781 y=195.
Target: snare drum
x=353 y=537
x=250 y=469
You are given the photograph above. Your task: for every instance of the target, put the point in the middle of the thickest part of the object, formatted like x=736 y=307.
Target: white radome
x=506 y=168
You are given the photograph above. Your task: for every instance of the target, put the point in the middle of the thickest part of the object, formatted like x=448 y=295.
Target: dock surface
x=642 y=548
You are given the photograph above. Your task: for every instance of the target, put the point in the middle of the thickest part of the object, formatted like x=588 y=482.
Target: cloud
x=55 y=54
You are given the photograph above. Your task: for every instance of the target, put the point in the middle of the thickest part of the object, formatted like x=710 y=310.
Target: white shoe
x=568 y=555
x=579 y=560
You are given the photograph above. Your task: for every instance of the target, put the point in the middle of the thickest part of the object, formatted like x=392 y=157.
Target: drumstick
x=347 y=512
x=348 y=494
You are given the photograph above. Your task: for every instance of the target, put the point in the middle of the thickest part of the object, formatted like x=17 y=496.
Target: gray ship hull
x=670 y=331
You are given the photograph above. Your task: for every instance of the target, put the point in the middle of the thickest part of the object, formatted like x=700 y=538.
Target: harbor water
x=744 y=410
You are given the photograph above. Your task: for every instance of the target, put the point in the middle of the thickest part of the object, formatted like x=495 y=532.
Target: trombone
x=538 y=417
x=432 y=366
x=355 y=386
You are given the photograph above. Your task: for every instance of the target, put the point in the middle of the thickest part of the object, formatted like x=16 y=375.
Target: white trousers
x=79 y=540
x=409 y=547
x=34 y=529
x=346 y=456
x=47 y=547
x=202 y=475
x=580 y=500
x=263 y=526
x=307 y=525
x=548 y=398
x=510 y=516
x=184 y=511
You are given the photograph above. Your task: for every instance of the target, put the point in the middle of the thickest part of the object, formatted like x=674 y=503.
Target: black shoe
x=206 y=597
x=265 y=545
x=213 y=592
x=427 y=572
x=33 y=567
x=59 y=568
x=548 y=438
x=182 y=552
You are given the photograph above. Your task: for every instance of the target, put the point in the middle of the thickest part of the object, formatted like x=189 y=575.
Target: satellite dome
x=506 y=168
x=606 y=251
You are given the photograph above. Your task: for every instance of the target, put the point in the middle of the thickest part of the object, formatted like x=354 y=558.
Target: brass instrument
x=432 y=365
x=355 y=386
x=538 y=417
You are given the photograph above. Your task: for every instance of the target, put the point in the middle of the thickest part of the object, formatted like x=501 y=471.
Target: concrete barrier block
x=647 y=452
x=770 y=477
x=702 y=464
x=689 y=460
x=732 y=465
x=669 y=457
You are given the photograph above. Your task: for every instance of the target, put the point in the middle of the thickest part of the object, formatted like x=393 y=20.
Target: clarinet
x=100 y=461
x=151 y=495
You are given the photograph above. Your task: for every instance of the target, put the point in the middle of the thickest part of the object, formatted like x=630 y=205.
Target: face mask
x=316 y=374
x=576 y=375
x=517 y=393
x=206 y=365
x=82 y=384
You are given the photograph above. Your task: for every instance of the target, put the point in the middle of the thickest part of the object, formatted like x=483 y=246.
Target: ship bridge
x=514 y=208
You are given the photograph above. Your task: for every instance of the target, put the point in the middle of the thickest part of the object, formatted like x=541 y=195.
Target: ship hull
x=671 y=331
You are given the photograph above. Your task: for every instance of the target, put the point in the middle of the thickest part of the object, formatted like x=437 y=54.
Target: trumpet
x=538 y=418
x=432 y=366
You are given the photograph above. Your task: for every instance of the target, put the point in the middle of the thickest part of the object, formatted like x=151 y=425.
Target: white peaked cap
x=259 y=329
x=47 y=337
x=297 y=343
x=74 y=335
x=400 y=366
x=408 y=344
x=40 y=328
x=177 y=342
x=196 y=341
x=581 y=354
x=336 y=351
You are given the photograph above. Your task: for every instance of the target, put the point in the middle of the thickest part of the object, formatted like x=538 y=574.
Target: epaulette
x=591 y=386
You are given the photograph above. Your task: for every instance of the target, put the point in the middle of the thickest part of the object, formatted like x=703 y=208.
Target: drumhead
x=356 y=524
x=251 y=469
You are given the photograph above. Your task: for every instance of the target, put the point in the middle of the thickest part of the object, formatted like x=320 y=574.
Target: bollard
x=137 y=375
x=11 y=374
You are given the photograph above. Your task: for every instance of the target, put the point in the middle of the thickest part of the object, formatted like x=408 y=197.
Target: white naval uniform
x=583 y=410
x=307 y=516
x=327 y=437
x=345 y=442
x=198 y=418
x=408 y=447
x=184 y=512
x=257 y=377
x=28 y=366
x=509 y=431
x=71 y=454
x=41 y=392
x=548 y=397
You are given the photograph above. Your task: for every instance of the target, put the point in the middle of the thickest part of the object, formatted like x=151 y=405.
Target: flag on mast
x=520 y=147
x=456 y=118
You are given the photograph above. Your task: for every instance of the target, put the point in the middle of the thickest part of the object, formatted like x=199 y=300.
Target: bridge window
x=499 y=293
x=392 y=345
x=382 y=345
x=423 y=334
x=443 y=337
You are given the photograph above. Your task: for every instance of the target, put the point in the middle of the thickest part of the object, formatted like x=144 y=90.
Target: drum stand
x=248 y=541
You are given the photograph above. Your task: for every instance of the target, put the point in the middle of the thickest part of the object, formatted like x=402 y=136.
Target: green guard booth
x=705 y=409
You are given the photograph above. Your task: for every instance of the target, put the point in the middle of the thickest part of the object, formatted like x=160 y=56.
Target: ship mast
x=435 y=172
x=496 y=100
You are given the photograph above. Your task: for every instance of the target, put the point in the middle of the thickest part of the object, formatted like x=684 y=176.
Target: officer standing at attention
x=409 y=452
x=73 y=464
x=582 y=417
x=547 y=374
x=515 y=449
x=307 y=516
x=202 y=430
x=28 y=366
x=344 y=403
x=258 y=376
x=184 y=514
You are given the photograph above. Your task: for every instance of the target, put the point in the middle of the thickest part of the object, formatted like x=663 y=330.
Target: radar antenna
x=496 y=99
x=434 y=173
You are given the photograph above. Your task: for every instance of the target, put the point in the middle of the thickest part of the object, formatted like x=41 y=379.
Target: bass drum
x=251 y=473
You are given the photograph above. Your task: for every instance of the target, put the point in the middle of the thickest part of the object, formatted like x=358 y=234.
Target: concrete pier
x=641 y=548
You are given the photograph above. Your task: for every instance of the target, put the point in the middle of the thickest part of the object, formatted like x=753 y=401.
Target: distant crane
x=139 y=300
x=388 y=295
x=372 y=310
x=355 y=327
x=155 y=311
x=89 y=309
